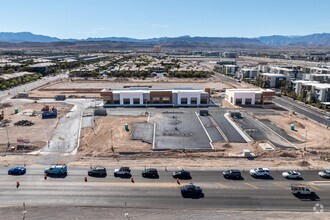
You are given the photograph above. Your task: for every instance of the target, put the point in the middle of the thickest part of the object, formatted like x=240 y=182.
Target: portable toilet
x=126 y=127
x=292 y=127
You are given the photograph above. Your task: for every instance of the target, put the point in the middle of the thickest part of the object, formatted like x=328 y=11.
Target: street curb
x=238 y=129
x=200 y=121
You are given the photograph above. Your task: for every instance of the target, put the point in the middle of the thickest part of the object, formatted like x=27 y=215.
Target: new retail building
x=140 y=96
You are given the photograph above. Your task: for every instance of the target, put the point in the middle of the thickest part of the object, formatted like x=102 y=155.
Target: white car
x=122 y=171
x=291 y=174
x=324 y=173
x=259 y=172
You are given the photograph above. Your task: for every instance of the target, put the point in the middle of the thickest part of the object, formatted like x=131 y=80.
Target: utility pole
x=8 y=142
x=24 y=211
x=306 y=140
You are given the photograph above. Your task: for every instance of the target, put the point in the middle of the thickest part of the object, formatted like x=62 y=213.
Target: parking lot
x=260 y=131
x=179 y=130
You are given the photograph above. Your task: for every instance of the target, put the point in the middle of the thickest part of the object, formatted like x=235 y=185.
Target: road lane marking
x=313 y=187
x=321 y=182
x=137 y=184
x=281 y=186
x=251 y=185
x=222 y=186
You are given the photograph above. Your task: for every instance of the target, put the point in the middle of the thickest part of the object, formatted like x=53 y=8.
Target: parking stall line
x=251 y=185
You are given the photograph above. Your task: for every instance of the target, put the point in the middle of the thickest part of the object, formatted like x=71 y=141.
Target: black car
x=150 y=172
x=191 y=190
x=181 y=174
x=232 y=174
x=97 y=171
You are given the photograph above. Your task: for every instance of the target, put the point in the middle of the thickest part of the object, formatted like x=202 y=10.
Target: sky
x=159 y=18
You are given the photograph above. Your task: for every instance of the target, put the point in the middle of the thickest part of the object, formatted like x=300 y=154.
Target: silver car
x=324 y=173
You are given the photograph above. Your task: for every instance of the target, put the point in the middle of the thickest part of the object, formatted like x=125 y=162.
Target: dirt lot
x=89 y=88
x=318 y=137
x=109 y=131
x=68 y=213
x=39 y=133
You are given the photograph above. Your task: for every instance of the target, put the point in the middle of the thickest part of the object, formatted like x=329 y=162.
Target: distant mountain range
x=274 y=40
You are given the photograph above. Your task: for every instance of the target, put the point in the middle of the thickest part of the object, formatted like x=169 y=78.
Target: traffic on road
x=160 y=187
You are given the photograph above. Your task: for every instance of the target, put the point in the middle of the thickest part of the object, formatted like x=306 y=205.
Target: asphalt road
x=303 y=110
x=7 y=94
x=230 y=132
x=247 y=194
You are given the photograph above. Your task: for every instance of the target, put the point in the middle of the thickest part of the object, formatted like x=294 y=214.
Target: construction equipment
x=46 y=112
x=45 y=108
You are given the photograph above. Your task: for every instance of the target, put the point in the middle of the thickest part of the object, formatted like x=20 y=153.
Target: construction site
x=223 y=130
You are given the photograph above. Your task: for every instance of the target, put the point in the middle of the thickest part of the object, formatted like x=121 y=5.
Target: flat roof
x=146 y=89
x=323 y=85
x=15 y=75
x=42 y=65
x=273 y=74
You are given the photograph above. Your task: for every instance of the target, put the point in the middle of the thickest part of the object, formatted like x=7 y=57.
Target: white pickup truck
x=301 y=190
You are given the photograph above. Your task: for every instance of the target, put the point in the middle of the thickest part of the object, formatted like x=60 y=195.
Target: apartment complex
x=312 y=90
x=143 y=96
x=273 y=80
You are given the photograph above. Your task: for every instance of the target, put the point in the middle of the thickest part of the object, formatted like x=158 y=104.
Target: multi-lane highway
x=219 y=193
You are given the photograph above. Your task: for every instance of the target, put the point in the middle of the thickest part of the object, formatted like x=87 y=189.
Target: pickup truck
x=301 y=190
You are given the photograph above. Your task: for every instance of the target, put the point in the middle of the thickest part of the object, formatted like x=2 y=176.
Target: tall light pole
x=306 y=140
x=8 y=142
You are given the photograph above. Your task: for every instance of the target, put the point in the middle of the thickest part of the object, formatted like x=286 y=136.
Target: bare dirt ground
x=109 y=131
x=39 y=133
x=68 y=213
x=318 y=137
x=181 y=160
x=83 y=88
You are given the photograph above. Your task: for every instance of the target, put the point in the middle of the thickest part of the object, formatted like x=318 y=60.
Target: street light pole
x=306 y=140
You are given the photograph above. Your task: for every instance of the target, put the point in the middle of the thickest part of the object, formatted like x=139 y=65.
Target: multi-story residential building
x=319 y=77
x=143 y=96
x=312 y=90
x=291 y=72
x=273 y=80
x=248 y=73
x=230 y=69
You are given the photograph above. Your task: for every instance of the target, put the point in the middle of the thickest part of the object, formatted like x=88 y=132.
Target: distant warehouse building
x=249 y=96
x=41 y=67
x=141 y=96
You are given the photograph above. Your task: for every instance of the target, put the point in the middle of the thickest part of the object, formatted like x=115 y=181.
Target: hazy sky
x=158 y=18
